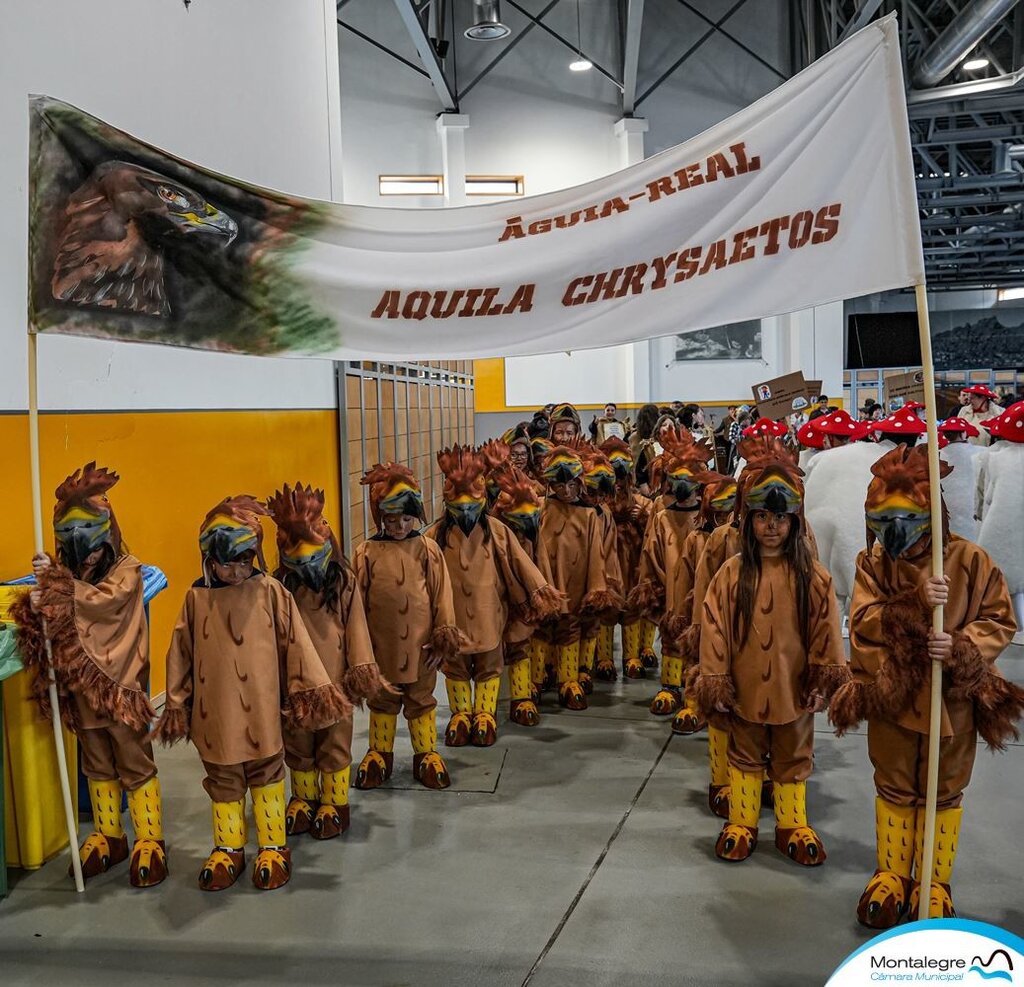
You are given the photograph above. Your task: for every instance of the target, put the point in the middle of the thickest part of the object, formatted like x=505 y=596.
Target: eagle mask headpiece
x=598 y=474
x=898 y=504
x=465 y=490
x=518 y=503
x=771 y=480
x=718 y=499
x=231 y=529
x=681 y=461
x=495 y=452
x=393 y=490
x=619 y=456
x=305 y=542
x=83 y=519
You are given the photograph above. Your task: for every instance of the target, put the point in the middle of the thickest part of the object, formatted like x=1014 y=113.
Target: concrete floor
x=579 y=852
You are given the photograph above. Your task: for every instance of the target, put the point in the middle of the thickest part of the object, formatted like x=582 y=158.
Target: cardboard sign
x=901 y=388
x=813 y=391
x=781 y=397
x=608 y=428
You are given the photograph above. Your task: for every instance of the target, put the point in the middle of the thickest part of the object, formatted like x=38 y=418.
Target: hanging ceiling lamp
x=579 y=63
x=487 y=24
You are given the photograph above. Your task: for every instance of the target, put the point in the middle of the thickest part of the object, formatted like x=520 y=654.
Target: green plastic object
x=10 y=663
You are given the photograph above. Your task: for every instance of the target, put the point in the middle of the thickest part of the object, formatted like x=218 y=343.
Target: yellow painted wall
x=174 y=467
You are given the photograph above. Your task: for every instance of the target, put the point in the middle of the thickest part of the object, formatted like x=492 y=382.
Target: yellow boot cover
x=947 y=838
x=648 y=657
x=225 y=863
x=632 y=666
x=884 y=900
x=460 y=699
x=382 y=731
x=108 y=844
x=423 y=733
x=485 y=725
x=332 y=816
x=570 y=692
x=539 y=656
x=298 y=817
x=379 y=761
x=149 y=855
x=670 y=696
x=605 y=668
x=739 y=835
x=793 y=837
x=273 y=864
x=718 y=756
x=689 y=719
x=588 y=652
x=522 y=708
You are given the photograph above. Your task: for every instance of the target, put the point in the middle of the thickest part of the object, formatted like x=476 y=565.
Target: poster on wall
x=738 y=341
x=762 y=214
x=901 y=388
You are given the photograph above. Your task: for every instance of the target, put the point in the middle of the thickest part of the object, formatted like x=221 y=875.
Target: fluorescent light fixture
x=1009 y=294
x=580 y=65
x=975 y=64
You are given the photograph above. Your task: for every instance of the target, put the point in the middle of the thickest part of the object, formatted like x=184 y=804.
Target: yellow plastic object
x=486 y=700
x=229 y=824
x=9 y=595
x=304 y=786
x=745 y=798
x=672 y=672
x=423 y=731
x=268 y=812
x=460 y=695
x=519 y=679
x=335 y=786
x=106 y=807
x=790 y=804
x=33 y=805
x=144 y=806
x=718 y=755
x=894 y=834
x=382 y=731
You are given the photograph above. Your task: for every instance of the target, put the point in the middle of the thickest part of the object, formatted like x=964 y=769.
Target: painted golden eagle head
x=83 y=519
x=110 y=250
x=718 y=497
x=598 y=473
x=305 y=542
x=518 y=504
x=465 y=490
x=233 y=528
x=619 y=455
x=393 y=490
x=771 y=480
x=496 y=453
x=682 y=459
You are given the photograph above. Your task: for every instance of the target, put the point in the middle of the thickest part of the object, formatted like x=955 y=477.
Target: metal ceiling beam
x=736 y=41
x=631 y=54
x=424 y=48
x=384 y=48
x=864 y=12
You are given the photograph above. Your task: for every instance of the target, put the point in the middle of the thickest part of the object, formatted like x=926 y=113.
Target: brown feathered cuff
x=174 y=725
x=601 y=601
x=73 y=668
x=446 y=642
x=672 y=628
x=998 y=705
x=712 y=691
x=647 y=598
x=966 y=669
x=364 y=682
x=315 y=709
x=827 y=679
x=905 y=626
x=847 y=707
x=543 y=604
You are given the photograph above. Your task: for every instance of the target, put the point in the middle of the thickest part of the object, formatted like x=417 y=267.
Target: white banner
x=804 y=197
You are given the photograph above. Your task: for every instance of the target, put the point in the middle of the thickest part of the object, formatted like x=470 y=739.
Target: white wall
x=242 y=86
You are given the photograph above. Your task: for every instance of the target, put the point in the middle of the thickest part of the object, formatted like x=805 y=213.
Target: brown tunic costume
x=493 y=581
x=630 y=537
x=889 y=624
x=100 y=644
x=239 y=657
x=407 y=594
x=342 y=640
x=662 y=552
x=767 y=678
x=571 y=549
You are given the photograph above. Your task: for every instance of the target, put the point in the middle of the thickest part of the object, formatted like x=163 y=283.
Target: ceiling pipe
x=959 y=37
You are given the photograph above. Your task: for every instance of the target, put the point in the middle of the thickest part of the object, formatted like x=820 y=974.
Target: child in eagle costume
x=679 y=466
x=771 y=655
x=494 y=582
x=92 y=604
x=241 y=666
x=570 y=547
x=407 y=593
x=891 y=651
x=313 y=569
